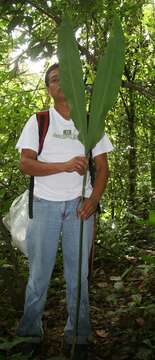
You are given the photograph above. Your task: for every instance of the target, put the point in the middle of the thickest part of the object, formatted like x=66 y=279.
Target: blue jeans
x=50 y=219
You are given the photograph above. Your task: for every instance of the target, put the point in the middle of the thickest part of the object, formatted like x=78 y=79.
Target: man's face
x=54 y=89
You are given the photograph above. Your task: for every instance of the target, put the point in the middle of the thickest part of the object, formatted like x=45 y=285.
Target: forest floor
x=122 y=306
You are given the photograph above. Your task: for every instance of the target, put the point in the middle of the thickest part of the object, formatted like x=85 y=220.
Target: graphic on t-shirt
x=67 y=134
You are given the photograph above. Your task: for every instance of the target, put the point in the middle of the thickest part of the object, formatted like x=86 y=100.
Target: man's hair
x=52 y=67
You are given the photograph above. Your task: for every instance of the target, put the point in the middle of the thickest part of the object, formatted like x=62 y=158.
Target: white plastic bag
x=16 y=221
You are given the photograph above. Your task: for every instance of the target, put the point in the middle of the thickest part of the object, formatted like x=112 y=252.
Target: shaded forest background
x=124 y=266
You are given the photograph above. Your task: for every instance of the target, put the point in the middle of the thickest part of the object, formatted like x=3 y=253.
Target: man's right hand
x=78 y=164
x=29 y=165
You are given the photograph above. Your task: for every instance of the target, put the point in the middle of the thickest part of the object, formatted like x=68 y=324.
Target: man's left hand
x=88 y=207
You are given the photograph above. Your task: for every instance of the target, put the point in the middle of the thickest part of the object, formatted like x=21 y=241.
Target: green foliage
x=107 y=83
x=71 y=77
x=8 y=345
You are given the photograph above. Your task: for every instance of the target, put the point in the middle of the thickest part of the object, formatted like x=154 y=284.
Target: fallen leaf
x=119 y=285
x=115 y=278
x=102 y=285
x=102 y=333
x=140 y=322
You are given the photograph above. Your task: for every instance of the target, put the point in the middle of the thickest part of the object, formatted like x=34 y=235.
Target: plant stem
x=75 y=331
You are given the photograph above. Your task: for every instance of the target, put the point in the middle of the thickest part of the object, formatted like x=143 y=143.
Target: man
x=58 y=172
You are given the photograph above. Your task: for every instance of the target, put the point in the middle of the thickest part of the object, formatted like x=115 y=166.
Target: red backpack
x=43 y=124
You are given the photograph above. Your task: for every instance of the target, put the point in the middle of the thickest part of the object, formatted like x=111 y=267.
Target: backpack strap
x=91 y=162
x=43 y=120
x=91 y=166
x=43 y=124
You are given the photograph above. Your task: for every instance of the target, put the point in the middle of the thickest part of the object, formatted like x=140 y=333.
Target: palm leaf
x=107 y=83
x=71 y=78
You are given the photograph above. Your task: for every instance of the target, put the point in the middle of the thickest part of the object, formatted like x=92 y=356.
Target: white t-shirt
x=60 y=145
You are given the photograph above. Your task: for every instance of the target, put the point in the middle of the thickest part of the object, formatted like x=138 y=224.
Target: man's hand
x=78 y=164
x=88 y=207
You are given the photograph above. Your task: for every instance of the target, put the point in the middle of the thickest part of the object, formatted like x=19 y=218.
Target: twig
x=141 y=89
x=46 y=12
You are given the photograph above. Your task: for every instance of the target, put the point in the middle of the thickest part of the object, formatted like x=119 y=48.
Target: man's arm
x=29 y=165
x=102 y=173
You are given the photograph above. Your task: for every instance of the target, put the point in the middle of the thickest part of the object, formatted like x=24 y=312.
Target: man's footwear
x=66 y=349
x=81 y=351
x=27 y=347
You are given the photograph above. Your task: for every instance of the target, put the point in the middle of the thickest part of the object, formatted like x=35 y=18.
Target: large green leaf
x=107 y=83
x=71 y=76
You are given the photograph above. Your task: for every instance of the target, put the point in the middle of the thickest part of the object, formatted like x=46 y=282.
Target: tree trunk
x=132 y=153
x=152 y=149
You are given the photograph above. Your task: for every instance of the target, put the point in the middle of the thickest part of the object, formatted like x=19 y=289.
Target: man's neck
x=63 y=109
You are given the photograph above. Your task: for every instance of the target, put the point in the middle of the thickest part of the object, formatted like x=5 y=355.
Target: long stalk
x=75 y=331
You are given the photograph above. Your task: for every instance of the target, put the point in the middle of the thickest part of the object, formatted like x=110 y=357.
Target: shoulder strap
x=91 y=162
x=91 y=166
x=43 y=124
